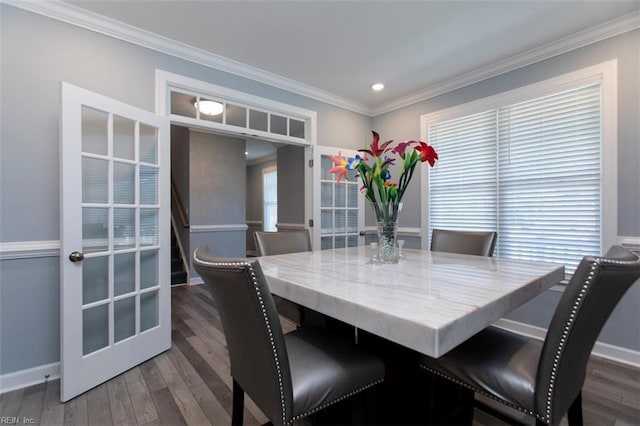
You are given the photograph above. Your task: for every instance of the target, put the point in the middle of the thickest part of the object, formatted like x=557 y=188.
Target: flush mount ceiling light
x=208 y=107
x=377 y=87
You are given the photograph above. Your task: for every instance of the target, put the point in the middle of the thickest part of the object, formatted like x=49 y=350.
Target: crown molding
x=79 y=17
x=91 y=21
x=592 y=35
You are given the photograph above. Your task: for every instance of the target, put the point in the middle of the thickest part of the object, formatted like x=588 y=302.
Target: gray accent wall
x=291 y=184
x=623 y=327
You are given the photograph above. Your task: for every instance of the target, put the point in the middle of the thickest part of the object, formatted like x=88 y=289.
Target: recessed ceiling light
x=377 y=87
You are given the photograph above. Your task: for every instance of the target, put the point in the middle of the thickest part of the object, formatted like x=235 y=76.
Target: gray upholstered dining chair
x=544 y=379
x=271 y=243
x=478 y=243
x=287 y=376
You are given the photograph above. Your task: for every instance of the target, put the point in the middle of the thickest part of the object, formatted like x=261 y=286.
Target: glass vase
x=387 y=242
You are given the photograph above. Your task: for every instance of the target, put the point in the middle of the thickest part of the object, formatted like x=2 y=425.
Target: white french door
x=338 y=207
x=115 y=263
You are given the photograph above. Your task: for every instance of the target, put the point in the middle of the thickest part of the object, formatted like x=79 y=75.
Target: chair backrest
x=478 y=243
x=255 y=340
x=270 y=243
x=593 y=292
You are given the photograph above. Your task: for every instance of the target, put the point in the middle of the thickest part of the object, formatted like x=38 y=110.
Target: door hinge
x=310 y=223
x=311 y=163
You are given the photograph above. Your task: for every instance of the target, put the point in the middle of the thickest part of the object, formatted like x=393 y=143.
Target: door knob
x=76 y=256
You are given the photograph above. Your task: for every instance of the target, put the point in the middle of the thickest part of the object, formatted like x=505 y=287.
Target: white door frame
x=166 y=81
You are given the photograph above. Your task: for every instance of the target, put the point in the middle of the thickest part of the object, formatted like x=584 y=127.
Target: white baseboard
x=31 y=376
x=603 y=350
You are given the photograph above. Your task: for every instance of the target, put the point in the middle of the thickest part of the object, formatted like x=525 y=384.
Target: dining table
x=429 y=301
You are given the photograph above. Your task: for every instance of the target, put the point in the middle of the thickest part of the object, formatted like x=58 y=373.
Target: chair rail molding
x=233 y=227
x=29 y=249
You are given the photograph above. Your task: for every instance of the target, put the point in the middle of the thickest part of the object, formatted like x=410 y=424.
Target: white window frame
x=606 y=74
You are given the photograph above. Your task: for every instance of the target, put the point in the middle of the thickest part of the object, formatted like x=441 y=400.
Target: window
x=270 y=198
x=530 y=164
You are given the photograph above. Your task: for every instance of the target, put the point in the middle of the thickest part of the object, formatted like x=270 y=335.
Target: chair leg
x=238 y=404
x=574 y=414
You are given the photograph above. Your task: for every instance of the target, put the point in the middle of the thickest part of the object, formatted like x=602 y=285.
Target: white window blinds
x=540 y=170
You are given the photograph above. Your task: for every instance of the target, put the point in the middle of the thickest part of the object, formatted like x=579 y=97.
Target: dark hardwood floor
x=190 y=384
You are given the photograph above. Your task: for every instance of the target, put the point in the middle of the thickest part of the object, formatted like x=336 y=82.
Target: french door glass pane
x=95 y=180
x=326 y=243
x=148 y=185
x=95 y=125
x=95 y=279
x=340 y=195
x=95 y=328
x=124 y=136
x=123 y=183
x=124 y=273
x=148 y=227
x=148 y=268
x=124 y=224
x=148 y=144
x=95 y=227
x=124 y=318
x=326 y=221
x=148 y=310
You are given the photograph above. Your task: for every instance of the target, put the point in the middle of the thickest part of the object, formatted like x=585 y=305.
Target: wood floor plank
x=10 y=403
x=152 y=376
x=218 y=376
x=186 y=402
x=167 y=408
x=143 y=407
x=75 y=411
x=98 y=406
x=52 y=410
x=32 y=403
x=210 y=405
x=121 y=408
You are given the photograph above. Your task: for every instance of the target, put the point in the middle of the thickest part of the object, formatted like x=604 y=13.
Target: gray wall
x=216 y=194
x=622 y=328
x=291 y=184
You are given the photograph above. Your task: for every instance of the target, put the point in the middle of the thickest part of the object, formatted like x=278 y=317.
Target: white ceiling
x=342 y=47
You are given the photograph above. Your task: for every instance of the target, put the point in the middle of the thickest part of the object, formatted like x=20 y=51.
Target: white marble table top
x=429 y=302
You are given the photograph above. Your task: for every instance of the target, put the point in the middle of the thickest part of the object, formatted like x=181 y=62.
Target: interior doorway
x=218 y=187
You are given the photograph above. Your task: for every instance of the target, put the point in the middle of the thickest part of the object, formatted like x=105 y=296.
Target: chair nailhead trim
x=254 y=280
x=314 y=410
x=478 y=390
